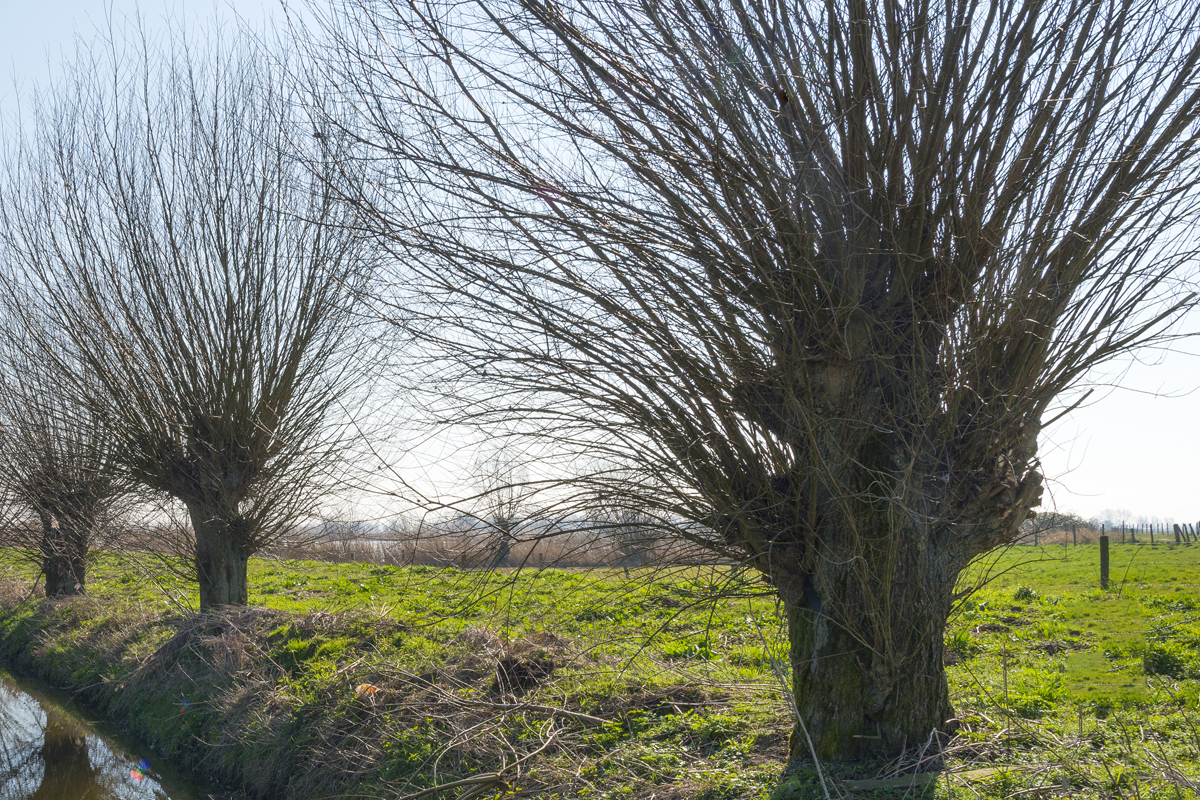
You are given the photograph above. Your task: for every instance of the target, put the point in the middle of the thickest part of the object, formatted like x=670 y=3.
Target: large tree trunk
x=64 y=556
x=222 y=553
x=866 y=551
x=853 y=703
x=866 y=638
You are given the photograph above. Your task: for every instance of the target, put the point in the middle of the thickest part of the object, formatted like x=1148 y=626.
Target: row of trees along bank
x=185 y=284
x=805 y=281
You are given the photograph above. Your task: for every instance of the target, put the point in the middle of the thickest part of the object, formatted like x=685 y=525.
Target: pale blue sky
x=1135 y=448
x=38 y=34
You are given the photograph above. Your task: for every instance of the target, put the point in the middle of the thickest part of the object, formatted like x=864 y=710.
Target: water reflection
x=46 y=753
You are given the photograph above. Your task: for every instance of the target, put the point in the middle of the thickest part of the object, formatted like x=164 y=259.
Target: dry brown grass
x=1060 y=536
x=13 y=591
x=467 y=550
x=1090 y=535
x=477 y=707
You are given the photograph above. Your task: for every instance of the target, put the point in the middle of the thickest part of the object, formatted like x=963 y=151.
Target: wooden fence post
x=1176 y=532
x=1103 y=559
x=1074 y=538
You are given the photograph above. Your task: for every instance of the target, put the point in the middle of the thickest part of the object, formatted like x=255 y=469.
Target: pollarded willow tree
x=163 y=218
x=817 y=273
x=54 y=474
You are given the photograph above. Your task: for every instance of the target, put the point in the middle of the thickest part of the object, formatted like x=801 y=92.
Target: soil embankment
x=393 y=682
x=202 y=690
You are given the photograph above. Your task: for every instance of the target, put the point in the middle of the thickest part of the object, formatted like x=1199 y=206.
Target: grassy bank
x=465 y=675
x=388 y=681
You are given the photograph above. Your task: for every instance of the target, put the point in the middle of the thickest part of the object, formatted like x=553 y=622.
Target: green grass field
x=662 y=684
x=1093 y=692
x=1106 y=648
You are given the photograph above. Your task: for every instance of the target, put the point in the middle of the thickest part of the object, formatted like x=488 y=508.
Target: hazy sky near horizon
x=1135 y=446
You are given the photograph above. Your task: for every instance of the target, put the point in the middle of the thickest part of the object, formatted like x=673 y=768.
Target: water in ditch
x=50 y=751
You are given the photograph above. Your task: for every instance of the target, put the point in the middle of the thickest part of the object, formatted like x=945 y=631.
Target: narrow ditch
x=51 y=749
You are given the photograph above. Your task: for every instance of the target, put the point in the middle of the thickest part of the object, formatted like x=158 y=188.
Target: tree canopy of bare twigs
x=163 y=219
x=58 y=490
x=817 y=273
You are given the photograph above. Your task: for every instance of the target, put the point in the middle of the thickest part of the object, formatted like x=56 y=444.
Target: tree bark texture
x=864 y=536
x=222 y=553
x=867 y=670
x=64 y=555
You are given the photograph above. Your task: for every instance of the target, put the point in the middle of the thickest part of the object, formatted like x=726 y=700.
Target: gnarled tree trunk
x=867 y=671
x=64 y=555
x=866 y=556
x=222 y=552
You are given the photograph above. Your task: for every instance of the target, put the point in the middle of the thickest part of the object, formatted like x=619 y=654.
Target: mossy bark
x=864 y=536
x=859 y=698
x=866 y=626
x=222 y=554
